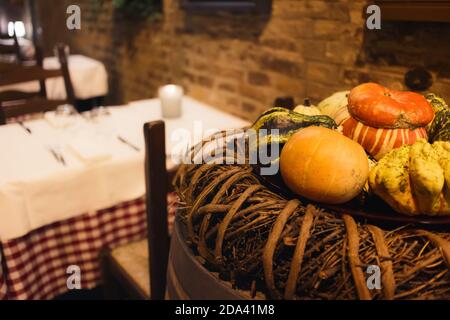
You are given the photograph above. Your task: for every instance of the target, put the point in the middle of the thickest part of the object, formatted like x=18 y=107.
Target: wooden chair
x=11 y=48
x=15 y=103
x=138 y=270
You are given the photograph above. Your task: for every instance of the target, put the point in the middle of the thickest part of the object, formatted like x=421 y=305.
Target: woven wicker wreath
x=264 y=243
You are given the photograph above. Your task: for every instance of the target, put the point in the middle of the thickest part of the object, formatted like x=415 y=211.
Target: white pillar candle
x=171 y=97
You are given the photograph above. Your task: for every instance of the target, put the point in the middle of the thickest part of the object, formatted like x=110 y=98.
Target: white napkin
x=89 y=151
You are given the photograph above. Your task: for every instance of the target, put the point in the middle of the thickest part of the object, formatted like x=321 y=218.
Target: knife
x=57 y=156
x=25 y=127
x=124 y=141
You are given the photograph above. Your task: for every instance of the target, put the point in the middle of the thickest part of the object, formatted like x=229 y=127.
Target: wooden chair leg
x=156 y=198
x=111 y=290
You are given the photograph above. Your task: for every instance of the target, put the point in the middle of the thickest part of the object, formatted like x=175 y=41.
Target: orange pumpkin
x=380 y=107
x=382 y=119
x=323 y=165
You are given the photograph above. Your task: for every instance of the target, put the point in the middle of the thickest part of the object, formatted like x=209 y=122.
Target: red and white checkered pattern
x=34 y=266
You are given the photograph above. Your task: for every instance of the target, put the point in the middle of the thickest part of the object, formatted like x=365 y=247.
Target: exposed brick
x=258 y=78
x=355 y=77
x=296 y=29
x=205 y=81
x=357 y=16
x=339 y=52
x=198 y=92
x=289 y=9
x=288 y=86
x=318 y=9
x=314 y=49
x=326 y=29
x=188 y=76
x=277 y=42
x=317 y=91
x=251 y=92
x=232 y=102
x=230 y=73
x=339 y=11
x=322 y=72
x=305 y=48
x=227 y=86
x=248 y=107
x=280 y=65
x=440 y=87
x=200 y=65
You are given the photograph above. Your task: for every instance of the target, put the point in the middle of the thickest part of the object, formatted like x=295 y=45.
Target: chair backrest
x=62 y=55
x=156 y=190
x=12 y=73
x=9 y=45
x=15 y=103
x=20 y=73
x=39 y=59
x=19 y=108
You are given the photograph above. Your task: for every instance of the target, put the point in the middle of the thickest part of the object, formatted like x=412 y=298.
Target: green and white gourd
x=439 y=129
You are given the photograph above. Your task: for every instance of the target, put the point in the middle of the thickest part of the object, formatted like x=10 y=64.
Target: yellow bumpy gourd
x=415 y=179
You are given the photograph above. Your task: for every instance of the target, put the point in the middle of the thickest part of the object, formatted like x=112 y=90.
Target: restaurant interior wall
x=241 y=63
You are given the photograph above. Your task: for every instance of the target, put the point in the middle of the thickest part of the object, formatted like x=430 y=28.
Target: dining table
x=73 y=184
x=89 y=79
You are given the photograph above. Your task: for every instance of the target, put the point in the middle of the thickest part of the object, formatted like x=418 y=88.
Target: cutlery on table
x=63 y=161
x=124 y=141
x=25 y=127
x=57 y=155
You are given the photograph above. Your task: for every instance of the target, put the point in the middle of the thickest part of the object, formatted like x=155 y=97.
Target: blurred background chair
x=14 y=103
x=9 y=48
x=138 y=270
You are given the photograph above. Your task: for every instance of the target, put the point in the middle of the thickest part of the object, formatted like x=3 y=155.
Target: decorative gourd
x=415 y=179
x=288 y=122
x=439 y=129
x=378 y=141
x=335 y=106
x=436 y=102
x=380 y=107
x=383 y=119
x=322 y=165
x=308 y=109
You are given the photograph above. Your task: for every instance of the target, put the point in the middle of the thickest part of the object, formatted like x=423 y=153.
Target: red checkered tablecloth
x=35 y=265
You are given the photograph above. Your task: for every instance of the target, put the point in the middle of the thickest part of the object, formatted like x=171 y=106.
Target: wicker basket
x=282 y=248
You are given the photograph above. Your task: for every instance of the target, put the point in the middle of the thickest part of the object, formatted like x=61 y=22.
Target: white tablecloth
x=89 y=79
x=36 y=189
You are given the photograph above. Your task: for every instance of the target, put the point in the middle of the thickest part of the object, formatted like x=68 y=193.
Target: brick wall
x=305 y=48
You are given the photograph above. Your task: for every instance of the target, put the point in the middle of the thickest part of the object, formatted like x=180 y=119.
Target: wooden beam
x=415 y=10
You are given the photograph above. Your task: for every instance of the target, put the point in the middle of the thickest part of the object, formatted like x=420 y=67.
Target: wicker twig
x=271 y=245
x=386 y=262
x=297 y=259
x=353 y=257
